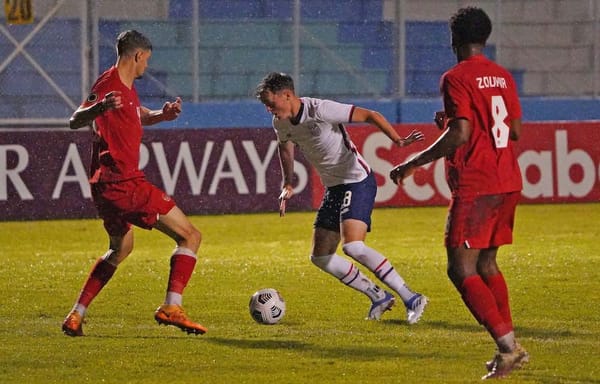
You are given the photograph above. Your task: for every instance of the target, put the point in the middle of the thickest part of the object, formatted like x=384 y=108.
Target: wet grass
x=553 y=272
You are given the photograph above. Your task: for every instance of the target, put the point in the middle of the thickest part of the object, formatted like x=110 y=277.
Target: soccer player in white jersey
x=316 y=126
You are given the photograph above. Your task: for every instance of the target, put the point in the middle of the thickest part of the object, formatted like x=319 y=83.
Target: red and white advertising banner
x=560 y=162
x=43 y=174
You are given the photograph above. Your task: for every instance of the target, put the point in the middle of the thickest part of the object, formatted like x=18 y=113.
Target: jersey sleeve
x=456 y=97
x=98 y=91
x=334 y=112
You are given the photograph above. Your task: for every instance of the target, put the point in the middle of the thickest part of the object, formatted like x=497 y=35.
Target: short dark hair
x=131 y=40
x=470 y=25
x=274 y=82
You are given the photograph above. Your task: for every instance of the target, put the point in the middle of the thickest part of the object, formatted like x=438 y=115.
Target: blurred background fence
x=217 y=50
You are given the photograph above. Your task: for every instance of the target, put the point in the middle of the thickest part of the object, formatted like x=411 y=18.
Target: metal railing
x=356 y=51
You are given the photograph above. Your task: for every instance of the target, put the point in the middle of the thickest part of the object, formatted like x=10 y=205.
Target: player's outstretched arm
x=286 y=160
x=360 y=115
x=458 y=133
x=170 y=111
x=84 y=116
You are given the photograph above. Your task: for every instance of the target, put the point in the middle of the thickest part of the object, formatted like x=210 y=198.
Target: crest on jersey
x=92 y=97
x=314 y=129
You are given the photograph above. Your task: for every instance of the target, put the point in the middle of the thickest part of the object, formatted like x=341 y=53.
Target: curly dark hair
x=470 y=25
x=274 y=82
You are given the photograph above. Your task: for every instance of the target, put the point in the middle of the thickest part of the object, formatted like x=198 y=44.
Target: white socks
x=380 y=266
x=348 y=274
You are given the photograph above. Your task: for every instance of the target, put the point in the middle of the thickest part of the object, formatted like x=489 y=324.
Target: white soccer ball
x=267 y=306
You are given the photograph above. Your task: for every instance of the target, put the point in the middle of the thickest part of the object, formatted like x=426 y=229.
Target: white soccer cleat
x=380 y=306
x=415 y=307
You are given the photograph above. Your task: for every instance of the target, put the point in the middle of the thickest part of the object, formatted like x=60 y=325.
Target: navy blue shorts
x=347 y=201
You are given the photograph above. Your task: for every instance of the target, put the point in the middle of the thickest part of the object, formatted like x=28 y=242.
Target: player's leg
x=324 y=256
x=176 y=225
x=119 y=248
x=356 y=209
x=487 y=265
x=462 y=271
x=488 y=269
x=326 y=238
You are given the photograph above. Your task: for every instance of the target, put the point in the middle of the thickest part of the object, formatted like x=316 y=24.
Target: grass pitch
x=553 y=273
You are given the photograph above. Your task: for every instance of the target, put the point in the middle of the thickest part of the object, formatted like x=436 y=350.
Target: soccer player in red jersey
x=481 y=118
x=120 y=191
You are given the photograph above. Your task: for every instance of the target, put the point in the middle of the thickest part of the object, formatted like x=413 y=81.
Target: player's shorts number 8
x=347 y=199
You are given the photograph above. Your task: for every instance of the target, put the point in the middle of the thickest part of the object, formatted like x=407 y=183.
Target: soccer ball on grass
x=267 y=306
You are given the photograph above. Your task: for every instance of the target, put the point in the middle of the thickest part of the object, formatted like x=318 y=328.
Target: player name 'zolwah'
x=490 y=82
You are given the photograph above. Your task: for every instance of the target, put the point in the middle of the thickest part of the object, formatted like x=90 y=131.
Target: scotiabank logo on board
x=560 y=162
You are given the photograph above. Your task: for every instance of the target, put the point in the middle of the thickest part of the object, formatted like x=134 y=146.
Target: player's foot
x=504 y=363
x=175 y=315
x=380 y=306
x=415 y=307
x=71 y=326
x=489 y=365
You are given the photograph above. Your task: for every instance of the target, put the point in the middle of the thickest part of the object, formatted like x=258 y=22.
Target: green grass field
x=553 y=272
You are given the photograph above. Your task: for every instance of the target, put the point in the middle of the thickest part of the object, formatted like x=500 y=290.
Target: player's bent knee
x=193 y=238
x=355 y=249
x=321 y=261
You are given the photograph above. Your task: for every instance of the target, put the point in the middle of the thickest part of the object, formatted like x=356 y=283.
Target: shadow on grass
x=462 y=327
x=363 y=353
x=534 y=333
x=555 y=379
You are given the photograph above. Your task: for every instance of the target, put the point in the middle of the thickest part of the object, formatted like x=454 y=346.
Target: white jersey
x=321 y=136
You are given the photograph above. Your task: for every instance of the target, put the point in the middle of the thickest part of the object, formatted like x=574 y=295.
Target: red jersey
x=483 y=92
x=118 y=132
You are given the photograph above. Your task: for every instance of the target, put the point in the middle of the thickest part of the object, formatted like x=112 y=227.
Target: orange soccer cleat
x=72 y=324
x=172 y=314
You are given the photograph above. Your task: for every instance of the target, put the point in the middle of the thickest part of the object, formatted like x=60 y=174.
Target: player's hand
x=285 y=195
x=440 y=120
x=112 y=100
x=171 y=110
x=413 y=137
x=401 y=172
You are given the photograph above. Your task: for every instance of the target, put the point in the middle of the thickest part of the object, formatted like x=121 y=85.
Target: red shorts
x=134 y=201
x=481 y=222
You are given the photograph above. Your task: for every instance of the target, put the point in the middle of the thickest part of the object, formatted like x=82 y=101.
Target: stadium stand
x=347 y=51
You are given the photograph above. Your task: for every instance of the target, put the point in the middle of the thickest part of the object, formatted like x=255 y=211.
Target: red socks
x=182 y=267
x=497 y=285
x=482 y=303
x=100 y=274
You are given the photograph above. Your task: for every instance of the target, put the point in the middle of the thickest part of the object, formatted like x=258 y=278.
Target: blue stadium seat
x=161 y=33
x=35 y=106
x=337 y=83
x=378 y=57
x=366 y=32
x=152 y=85
x=63 y=31
x=254 y=59
x=423 y=83
x=427 y=33
x=233 y=85
x=23 y=83
x=278 y=9
x=336 y=57
x=348 y=10
x=226 y=33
